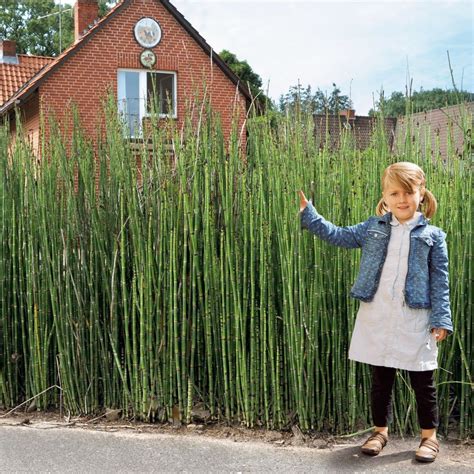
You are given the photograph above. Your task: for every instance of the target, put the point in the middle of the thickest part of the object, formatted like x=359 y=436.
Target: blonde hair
x=409 y=176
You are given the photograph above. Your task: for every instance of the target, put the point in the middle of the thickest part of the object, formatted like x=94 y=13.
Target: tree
x=420 y=101
x=247 y=75
x=337 y=101
x=39 y=27
x=302 y=99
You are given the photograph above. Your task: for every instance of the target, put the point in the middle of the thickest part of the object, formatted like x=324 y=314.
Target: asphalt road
x=44 y=447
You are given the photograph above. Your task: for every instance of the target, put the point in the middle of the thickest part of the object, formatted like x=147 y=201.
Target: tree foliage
x=242 y=70
x=420 y=101
x=302 y=99
x=247 y=75
x=25 y=22
x=39 y=27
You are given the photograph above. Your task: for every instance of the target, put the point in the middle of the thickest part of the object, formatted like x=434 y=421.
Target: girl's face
x=402 y=203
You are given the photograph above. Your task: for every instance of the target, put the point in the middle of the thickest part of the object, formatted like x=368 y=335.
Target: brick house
x=142 y=49
x=445 y=131
x=328 y=129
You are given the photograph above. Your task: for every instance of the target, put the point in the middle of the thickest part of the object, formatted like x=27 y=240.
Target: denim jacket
x=426 y=284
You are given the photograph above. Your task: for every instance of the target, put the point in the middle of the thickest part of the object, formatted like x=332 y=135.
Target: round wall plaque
x=147 y=58
x=147 y=32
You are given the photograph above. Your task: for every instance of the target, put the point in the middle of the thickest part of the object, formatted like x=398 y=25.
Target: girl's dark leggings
x=425 y=392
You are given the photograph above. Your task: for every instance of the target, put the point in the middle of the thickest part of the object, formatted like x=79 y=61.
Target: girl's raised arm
x=348 y=237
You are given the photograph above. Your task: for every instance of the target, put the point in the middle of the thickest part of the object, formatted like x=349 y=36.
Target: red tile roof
x=15 y=76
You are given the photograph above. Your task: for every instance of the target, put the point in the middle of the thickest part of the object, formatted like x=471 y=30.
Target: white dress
x=387 y=332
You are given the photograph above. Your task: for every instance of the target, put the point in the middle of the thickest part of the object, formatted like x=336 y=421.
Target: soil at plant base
x=111 y=421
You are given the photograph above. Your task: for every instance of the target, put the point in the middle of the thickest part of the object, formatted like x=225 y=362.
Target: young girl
x=403 y=289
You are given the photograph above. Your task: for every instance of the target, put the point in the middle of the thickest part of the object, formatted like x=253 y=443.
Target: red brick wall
x=85 y=77
x=439 y=131
x=328 y=129
x=30 y=123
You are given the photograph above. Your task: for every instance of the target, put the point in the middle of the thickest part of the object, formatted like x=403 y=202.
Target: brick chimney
x=85 y=13
x=8 y=52
x=348 y=113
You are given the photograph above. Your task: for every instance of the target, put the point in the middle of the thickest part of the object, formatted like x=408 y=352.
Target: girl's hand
x=439 y=334
x=303 y=200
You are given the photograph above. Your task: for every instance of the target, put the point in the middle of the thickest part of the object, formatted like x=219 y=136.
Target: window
x=142 y=94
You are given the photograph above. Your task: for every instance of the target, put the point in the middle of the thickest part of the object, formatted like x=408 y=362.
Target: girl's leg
x=427 y=407
x=381 y=397
x=381 y=401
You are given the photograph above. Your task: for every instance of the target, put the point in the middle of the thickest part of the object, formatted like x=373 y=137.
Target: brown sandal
x=374 y=444
x=429 y=453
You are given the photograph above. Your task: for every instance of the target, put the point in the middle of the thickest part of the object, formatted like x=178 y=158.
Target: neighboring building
x=449 y=129
x=139 y=47
x=329 y=128
x=443 y=131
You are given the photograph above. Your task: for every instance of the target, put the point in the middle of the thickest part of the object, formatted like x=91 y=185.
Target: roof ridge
x=36 y=56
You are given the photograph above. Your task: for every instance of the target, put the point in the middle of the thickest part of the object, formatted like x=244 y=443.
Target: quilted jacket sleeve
x=347 y=237
x=439 y=285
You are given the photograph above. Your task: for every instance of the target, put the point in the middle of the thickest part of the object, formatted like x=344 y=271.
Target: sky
x=364 y=47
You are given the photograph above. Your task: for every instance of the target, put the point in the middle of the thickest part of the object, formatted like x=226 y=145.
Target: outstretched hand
x=439 y=334
x=303 y=200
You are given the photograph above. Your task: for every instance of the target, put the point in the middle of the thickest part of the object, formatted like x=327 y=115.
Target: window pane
x=160 y=94
x=129 y=101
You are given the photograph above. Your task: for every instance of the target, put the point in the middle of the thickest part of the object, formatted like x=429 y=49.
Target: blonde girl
x=403 y=290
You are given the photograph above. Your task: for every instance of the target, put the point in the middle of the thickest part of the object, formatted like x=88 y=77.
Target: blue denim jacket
x=426 y=284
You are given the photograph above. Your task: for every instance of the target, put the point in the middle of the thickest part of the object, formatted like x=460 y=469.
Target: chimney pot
x=8 y=52
x=85 y=13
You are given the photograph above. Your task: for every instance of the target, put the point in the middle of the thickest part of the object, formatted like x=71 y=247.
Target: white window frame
x=142 y=88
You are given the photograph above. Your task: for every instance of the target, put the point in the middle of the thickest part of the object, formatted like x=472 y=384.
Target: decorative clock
x=147 y=58
x=147 y=32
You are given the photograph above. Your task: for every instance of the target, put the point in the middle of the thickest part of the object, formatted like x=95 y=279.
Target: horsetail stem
x=160 y=282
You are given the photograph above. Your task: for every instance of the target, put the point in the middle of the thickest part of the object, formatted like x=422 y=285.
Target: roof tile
x=15 y=76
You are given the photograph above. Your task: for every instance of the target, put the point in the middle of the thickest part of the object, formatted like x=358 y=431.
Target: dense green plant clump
x=176 y=276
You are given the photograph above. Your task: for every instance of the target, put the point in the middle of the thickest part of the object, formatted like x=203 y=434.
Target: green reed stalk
x=160 y=281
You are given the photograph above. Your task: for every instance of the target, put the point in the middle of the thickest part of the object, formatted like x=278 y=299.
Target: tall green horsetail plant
x=169 y=277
